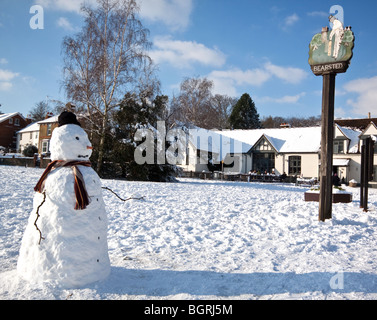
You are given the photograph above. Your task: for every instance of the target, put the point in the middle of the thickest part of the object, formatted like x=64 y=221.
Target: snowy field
x=209 y=240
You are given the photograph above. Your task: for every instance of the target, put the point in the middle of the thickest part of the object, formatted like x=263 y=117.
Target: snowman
x=65 y=241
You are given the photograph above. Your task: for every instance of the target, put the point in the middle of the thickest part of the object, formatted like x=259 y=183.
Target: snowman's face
x=70 y=142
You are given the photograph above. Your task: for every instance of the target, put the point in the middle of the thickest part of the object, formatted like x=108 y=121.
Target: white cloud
x=65 y=24
x=290 y=20
x=3 y=61
x=288 y=74
x=5 y=79
x=181 y=54
x=366 y=89
x=224 y=86
x=6 y=75
x=64 y=5
x=227 y=81
x=340 y=113
x=321 y=14
x=173 y=13
x=285 y=99
x=254 y=77
x=5 y=86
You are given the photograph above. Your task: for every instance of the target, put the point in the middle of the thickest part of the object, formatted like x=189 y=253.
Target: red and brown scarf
x=82 y=198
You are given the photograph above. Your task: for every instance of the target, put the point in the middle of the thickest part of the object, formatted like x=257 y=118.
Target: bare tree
x=104 y=61
x=222 y=104
x=40 y=111
x=194 y=103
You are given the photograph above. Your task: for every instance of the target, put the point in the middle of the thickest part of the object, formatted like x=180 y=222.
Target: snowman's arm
x=131 y=198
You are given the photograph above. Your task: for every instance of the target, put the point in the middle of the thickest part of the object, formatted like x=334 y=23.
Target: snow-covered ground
x=209 y=240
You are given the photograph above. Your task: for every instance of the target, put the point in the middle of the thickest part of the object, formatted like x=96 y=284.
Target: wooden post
x=362 y=175
x=367 y=150
x=366 y=174
x=327 y=140
x=371 y=158
x=327 y=61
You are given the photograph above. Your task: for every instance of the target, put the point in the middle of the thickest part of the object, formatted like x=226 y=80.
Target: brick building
x=10 y=123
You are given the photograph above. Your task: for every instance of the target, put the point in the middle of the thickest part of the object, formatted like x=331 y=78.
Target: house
x=10 y=123
x=294 y=151
x=46 y=127
x=39 y=134
x=359 y=124
x=371 y=131
x=28 y=136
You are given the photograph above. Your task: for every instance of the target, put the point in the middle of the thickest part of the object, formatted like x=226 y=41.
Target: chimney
x=49 y=115
x=369 y=115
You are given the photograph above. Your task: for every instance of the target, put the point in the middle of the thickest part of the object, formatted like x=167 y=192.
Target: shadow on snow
x=208 y=283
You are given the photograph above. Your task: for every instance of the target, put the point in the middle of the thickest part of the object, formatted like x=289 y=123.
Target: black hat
x=67 y=117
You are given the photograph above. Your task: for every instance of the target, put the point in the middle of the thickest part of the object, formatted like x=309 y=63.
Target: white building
x=28 y=136
x=37 y=134
x=294 y=151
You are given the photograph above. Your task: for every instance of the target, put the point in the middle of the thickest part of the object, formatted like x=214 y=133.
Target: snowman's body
x=64 y=246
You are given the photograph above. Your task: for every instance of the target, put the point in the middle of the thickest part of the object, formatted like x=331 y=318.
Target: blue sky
x=258 y=47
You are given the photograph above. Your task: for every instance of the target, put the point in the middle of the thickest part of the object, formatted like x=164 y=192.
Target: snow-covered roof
x=370 y=130
x=352 y=135
x=49 y=120
x=286 y=140
x=6 y=116
x=30 y=128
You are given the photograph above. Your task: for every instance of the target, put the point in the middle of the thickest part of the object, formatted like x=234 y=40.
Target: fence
x=33 y=162
x=217 y=175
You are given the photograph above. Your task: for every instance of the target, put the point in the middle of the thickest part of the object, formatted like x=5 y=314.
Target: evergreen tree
x=135 y=112
x=244 y=114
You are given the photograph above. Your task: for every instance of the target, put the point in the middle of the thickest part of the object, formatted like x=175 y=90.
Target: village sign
x=330 y=53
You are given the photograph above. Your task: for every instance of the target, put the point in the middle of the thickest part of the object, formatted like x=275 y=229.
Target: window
x=44 y=146
x=263 y=145
x=49 y=129
x=263 y=162
x=16 y=122
x=11 y=121
x=338 y=146
x=295 y=165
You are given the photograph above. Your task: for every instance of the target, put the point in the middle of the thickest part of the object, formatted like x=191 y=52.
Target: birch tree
x=194 y=103
x=105 y=60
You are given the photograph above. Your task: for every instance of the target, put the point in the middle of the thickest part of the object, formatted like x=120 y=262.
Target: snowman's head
x=70 y=142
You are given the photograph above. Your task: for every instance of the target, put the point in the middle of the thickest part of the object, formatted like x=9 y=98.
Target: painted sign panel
x=331 y=51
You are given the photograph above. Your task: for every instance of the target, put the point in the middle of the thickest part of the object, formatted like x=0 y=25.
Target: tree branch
x=131 y=198
x=37 y=213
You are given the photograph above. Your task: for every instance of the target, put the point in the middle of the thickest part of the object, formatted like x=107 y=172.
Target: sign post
x=330 y=53
x=367 y=152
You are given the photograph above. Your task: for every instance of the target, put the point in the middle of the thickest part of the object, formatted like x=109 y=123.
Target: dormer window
x=263 y=145
x=338 y=146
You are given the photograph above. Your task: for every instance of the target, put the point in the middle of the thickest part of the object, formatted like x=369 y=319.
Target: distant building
x=293 y=151
x=10 y=124
x=39 y=134
x=46 y=127
x=28 y=136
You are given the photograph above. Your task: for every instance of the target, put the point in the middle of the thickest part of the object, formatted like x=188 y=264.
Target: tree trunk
x=101 y=146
